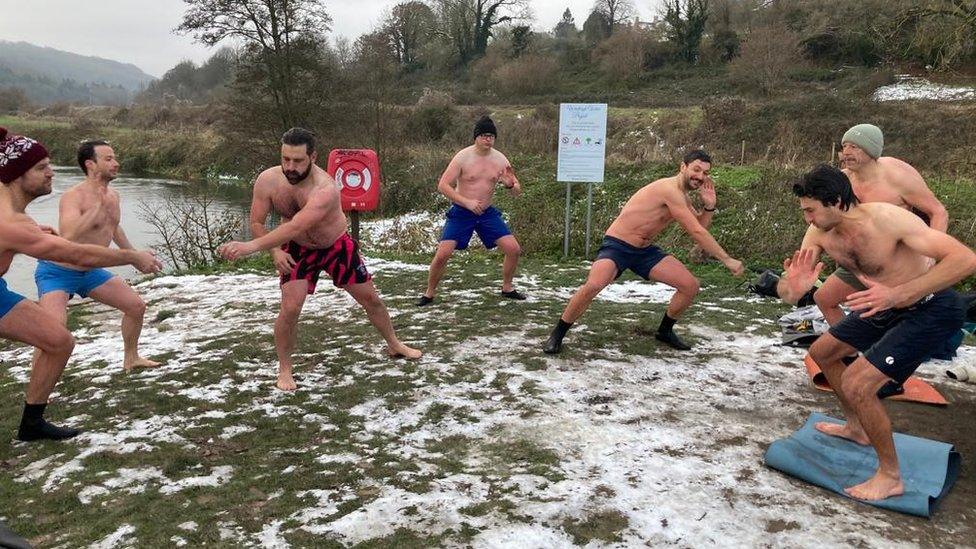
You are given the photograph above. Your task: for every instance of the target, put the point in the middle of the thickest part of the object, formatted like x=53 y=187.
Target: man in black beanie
x=469 y=182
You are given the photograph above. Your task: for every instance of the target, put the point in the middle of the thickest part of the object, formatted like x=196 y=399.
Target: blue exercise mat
x=928 y=468
x=10 y=540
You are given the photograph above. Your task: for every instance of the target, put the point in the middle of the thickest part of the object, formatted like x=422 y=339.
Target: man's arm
x=953 y=262
x=260 y=206
x=681 y=211
x=121 y=240
x=318 y=205
x=27 y=238
x=918 y=195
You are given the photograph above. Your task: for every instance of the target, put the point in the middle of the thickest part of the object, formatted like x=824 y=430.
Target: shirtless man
x=89 y=213
x=628 y=244
x=907 y=308
x=469 y=182
x=25 y=171
x=312 y=237
x=875 y=178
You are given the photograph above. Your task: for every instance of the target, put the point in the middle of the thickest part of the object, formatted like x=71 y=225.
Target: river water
x=134 y=192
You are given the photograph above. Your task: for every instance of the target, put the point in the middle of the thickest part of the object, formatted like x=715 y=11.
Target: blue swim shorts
x=462 y=222
x=8 y=299
x=51 y=277
x=626 y=256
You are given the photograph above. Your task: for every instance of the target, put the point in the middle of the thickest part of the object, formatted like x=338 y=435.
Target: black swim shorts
x=626 y=256
x=897 y=341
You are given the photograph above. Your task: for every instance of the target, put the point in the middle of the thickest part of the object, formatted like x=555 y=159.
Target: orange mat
x=916 y=390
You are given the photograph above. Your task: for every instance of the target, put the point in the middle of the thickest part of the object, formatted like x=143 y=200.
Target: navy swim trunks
x=626 y=256
x=462 y=223
x=897 y=341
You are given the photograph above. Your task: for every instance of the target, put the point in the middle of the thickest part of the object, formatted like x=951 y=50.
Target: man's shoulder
x=898 y=171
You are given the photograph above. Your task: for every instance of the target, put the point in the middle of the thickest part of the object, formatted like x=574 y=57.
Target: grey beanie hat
x=866 y=136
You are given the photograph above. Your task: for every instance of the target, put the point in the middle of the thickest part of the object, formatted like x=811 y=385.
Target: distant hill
x=48 y=75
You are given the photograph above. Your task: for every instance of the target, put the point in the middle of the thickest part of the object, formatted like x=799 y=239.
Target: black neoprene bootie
x=671 y=339
x=33 y=426
x=555 y=342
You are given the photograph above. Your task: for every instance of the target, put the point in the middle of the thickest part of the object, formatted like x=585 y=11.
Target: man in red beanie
x=25 y=173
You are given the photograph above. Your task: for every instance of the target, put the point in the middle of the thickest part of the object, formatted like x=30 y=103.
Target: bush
x=621 y=57
x=768 y=54
x=526 y=75
x=434 y=115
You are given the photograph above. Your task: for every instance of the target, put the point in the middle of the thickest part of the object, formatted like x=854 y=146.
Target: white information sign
x=582 y=142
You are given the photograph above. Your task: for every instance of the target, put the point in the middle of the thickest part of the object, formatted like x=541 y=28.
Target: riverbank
x=484 y=441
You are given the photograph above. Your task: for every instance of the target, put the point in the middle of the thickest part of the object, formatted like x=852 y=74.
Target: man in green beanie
x=876 y=178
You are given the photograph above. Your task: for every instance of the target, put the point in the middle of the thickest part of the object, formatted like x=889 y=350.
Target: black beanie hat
x=485 y=125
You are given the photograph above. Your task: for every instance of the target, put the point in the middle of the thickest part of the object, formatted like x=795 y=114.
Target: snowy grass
x=484 y=442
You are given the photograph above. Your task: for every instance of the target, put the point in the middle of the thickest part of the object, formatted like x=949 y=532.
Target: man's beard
x=294 y=177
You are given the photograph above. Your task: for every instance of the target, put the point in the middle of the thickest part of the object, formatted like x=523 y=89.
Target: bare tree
x=469 y=24
x=191 y=225
x=616 y=11
x=278 y=32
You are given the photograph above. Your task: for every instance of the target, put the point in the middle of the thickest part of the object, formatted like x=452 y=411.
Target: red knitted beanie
x=17 y=155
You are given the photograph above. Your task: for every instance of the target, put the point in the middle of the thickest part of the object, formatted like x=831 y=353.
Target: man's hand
x=801 y=271
x=145 y=261
x=283 y=261
x=735 y=266
x=476 y=206
x=707 y=193
x=48 y=229
x=232 y=251
x=875 y=299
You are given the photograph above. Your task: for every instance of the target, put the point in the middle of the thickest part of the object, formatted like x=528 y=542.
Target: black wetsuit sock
x=665 y=334
x=555 y=342
x=667 y=324
x=33 y=426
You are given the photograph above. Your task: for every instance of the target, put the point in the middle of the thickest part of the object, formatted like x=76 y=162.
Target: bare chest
x=486 y=171
x=287 y=202
x=863 y=252
x=104 y=212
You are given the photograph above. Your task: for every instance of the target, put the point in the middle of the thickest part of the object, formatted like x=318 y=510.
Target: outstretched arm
x=686 y=218
x=28 y=238
x=318 y=205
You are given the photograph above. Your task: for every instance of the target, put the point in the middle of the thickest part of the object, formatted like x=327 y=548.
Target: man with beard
x=90 y=213
x=312 y=237
x=907 y=308
x=25 y=171
x=628 y=244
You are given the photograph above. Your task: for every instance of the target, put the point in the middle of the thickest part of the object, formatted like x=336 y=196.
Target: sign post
x=582 y=155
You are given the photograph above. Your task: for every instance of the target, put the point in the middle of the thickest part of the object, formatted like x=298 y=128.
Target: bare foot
x=140 y=362
x=843 y=431
x=286 y=382
x=402 y=351
x=880 y=486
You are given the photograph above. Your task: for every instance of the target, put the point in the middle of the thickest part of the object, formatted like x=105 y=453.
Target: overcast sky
x=140 y=31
